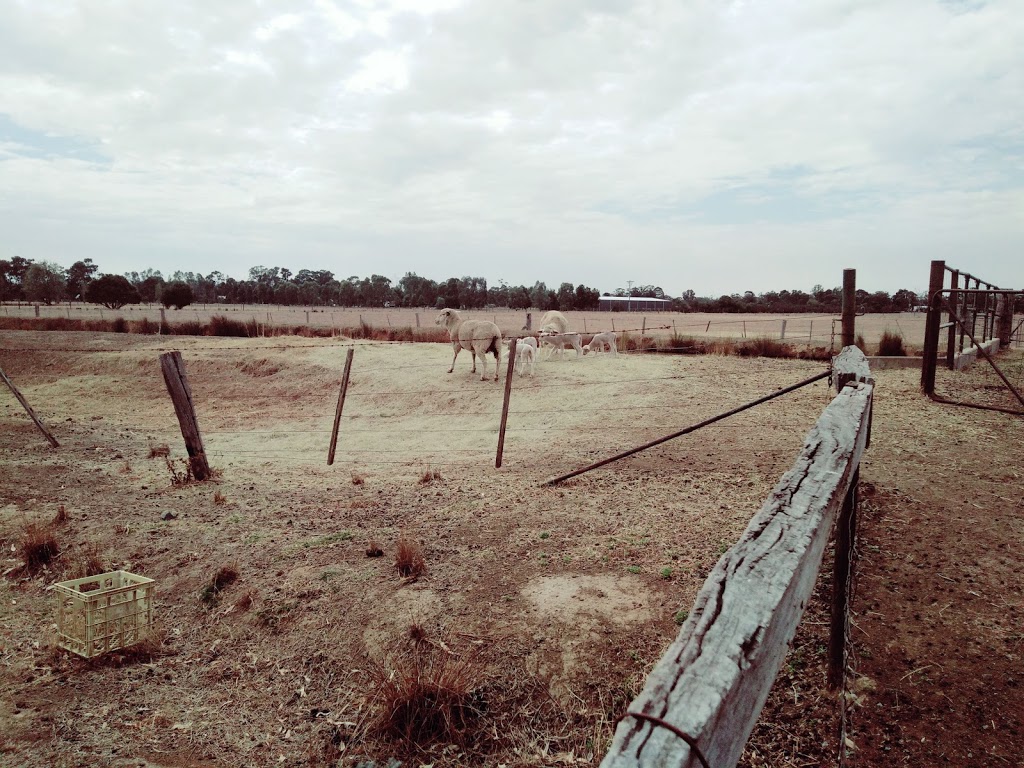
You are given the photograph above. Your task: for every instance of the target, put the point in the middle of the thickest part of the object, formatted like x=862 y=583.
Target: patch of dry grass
x=38 y=546
x=409 y=559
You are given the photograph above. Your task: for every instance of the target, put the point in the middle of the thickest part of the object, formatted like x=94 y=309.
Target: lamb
x=526 y=353
x=559 y=340
x=602 y=340
x=478 y=336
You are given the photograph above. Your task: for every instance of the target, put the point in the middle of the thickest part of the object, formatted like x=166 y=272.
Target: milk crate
x=101 y=613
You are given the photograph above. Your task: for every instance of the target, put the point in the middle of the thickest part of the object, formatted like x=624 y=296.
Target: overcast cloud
x=712 y=146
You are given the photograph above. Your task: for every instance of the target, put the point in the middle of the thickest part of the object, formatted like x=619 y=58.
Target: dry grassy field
x=813 y=330
x=282 y=641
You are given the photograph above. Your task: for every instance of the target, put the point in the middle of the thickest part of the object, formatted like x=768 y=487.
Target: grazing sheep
x=602 y=340
x=557 y=341
x=478 y=336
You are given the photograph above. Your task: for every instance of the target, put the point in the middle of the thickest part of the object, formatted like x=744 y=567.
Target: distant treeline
x=25 y=280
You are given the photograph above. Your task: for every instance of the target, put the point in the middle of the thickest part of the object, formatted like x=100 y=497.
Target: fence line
x=713 y=680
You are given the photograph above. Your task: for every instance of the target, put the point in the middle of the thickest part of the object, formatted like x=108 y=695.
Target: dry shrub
x=119 y=325
x=126 y=468
x=186 y=328
x=220 y=325
x=763 y=346
x=891 y=344
x=219 y=498
x=358 y=479
x=409 y=559
x=428 y=698
x=860 y=343
x=159 y=451
x=683 y=345
x=225 y=577
x=430 y=476
x=184 y=476
x=373 y=549
x=144 y=326
x=38 y=546
x=720 y=347
x=86 y=561
x=815 y=353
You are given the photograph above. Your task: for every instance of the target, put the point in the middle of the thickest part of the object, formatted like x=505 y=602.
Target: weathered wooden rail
x=703 y=698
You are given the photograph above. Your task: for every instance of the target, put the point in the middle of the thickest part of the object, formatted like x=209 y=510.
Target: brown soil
x=555 y=601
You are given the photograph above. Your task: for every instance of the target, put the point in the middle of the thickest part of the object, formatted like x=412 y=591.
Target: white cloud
x=693 y=145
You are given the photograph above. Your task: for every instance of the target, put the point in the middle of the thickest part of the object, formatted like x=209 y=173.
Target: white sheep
x=526 y=353
x=554 y=322
x=557 y=341
x=602 y=340
x=478 y=336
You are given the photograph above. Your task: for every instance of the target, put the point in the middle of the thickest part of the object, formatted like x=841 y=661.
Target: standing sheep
x=478 y=336
x=526 y=353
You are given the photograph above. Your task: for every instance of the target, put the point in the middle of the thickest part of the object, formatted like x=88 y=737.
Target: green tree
x=177 y=294
x=12 y=273
x=80 y=274
x=112 y=291
x=44 y=281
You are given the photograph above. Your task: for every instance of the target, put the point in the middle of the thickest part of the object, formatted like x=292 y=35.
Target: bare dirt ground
x=551 y=603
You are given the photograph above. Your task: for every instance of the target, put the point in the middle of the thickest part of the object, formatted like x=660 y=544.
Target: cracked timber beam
x=714 y=678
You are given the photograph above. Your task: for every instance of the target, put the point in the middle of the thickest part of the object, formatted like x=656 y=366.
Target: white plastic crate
x=101 y=613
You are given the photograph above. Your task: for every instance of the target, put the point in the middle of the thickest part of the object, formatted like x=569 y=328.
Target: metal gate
x=974 y=321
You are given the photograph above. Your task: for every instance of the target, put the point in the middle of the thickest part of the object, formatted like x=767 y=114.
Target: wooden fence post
x=504 y=406
x=417 y=319
x=849 y=305
x=341 y=404
x=782 y=332
x=28 y=409
x=173 y=368
x=930 y=354
x=643 y=326
x=954 y=298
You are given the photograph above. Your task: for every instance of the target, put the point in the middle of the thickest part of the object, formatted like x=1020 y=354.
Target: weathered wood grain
x=173 y=368
x=715 y=677
x=850 y=365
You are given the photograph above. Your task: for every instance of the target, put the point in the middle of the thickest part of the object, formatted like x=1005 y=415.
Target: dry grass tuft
x=38 y=546
x=409 y=559
x=764 y=346
x=219 y=498
x=428 y=698
x=373 y=549
x=430 y=476
x=246 y=601
x=61 y=517
x=159 y=451
x=126 y=468
x=225 y=577
x=86 y=561
x=891 y=344
x=358 y=479
x=417 y=633
x=182 y=476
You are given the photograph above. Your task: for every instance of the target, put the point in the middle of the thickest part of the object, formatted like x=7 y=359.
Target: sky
x=700 y=145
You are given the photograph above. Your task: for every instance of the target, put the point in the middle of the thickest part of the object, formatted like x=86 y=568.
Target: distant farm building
x=632 y=304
